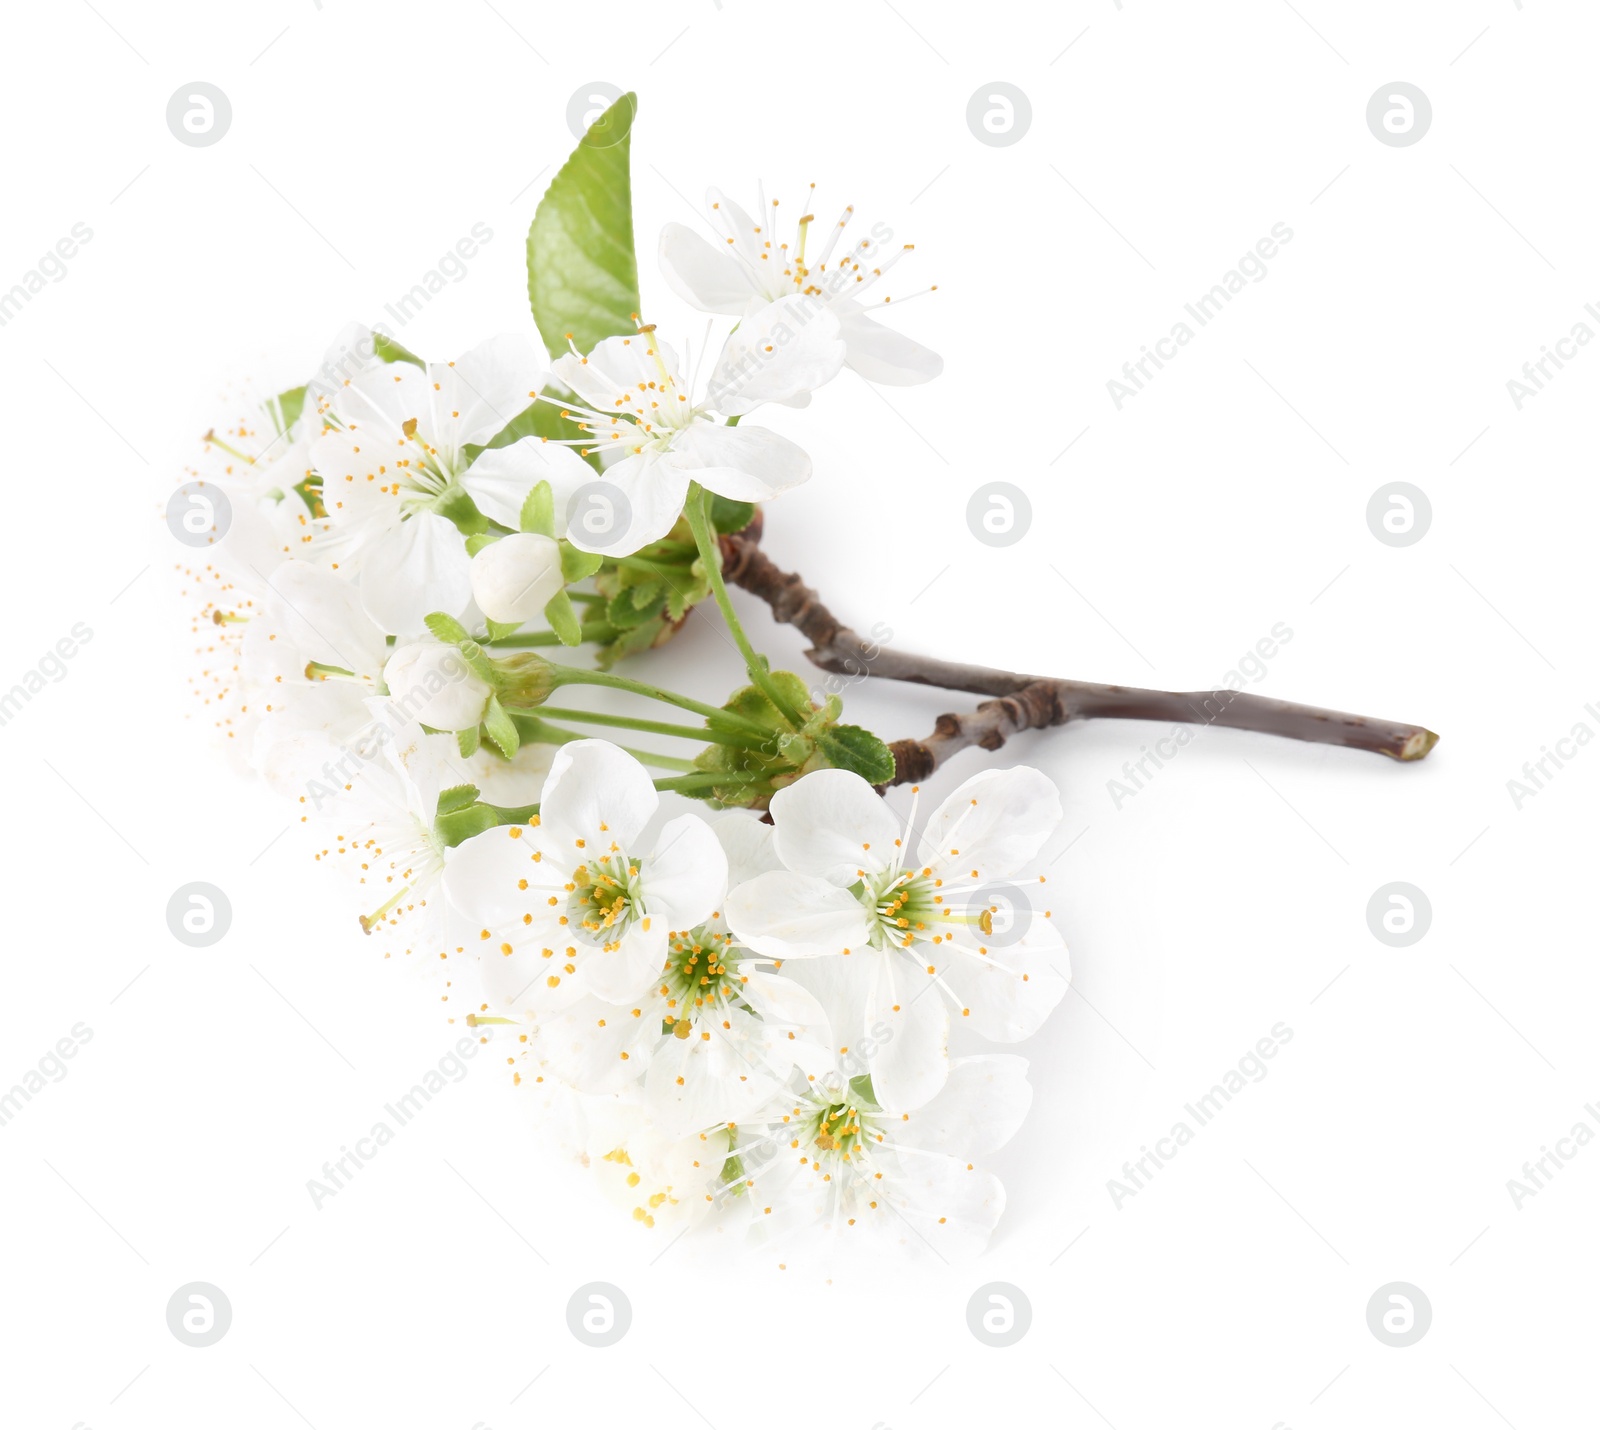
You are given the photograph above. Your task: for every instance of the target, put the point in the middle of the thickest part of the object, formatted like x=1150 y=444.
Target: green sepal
x=576 y=564
x=625 y=612
x=500 y=729
x=457 y=797
x=467 y=742
x=479 y=539
x=445 y=628
x=459 y=825
x=499 y=630
x=453 y=504
x=563 y=619
x=539 y=510
x=729 y=516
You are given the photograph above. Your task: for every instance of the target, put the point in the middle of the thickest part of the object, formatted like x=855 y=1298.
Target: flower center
x=839 y=1131
x=902 y=906
x=700 y=974
x=604 y=900
x=423 y=475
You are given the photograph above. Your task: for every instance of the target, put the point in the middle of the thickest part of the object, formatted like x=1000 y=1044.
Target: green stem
x=653 y=727
x=688 y=784
x=596 y=631
x=667 y=784
x=720 y=719
x=697 y=509
x=542 y=732
x=650 y=568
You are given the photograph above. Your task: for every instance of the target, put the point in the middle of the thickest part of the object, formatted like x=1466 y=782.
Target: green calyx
x=756 y=768
x=649 y=595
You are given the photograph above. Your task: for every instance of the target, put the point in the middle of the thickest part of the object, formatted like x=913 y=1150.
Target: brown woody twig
x=1034 y=702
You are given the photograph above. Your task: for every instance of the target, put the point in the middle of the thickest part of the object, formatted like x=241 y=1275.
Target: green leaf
x=575 y=564
x=479 y=539
x=563 y=619
x=453 y=504
x=286 y=407
x=729 y=516
x=500 y=728
x=390 y=351
x=539 y=510
x=446 y=628
x=539 y=419
x=583 y=278
x=467 y=742
x=457 y=797
x=499 y=630
x=850 y=747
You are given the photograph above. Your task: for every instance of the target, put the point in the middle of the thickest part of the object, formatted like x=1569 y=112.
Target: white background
x=1227 y=896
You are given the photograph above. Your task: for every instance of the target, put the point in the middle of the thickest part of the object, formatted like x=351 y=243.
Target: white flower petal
x=712 y=281
x=599 y=794
x=832 y=824
x=320 y=616
x=418 y=568
x=1008 y=991
x=500 y=480
x=615 y=369
x=747 y=840
x=482 y=390
x=684 y=879
x=584 y=1045
x=783 y=1002
x=778 y=352
x=651 y=488
x=906 y=1035
x=882 y=355
x=995 y=823
x=741 y=463
x=979 y=1109
x=712 y=1077
x=788 y=915
x=483 y=878
x=623 y=974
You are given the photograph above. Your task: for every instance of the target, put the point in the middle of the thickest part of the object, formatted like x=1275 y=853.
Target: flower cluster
x=744 y=1009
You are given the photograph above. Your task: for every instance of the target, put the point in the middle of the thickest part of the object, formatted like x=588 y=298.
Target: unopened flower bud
x=513 y=579
x=433 y=684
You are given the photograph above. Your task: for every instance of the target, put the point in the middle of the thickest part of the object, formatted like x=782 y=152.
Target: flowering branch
x=1033 y=702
